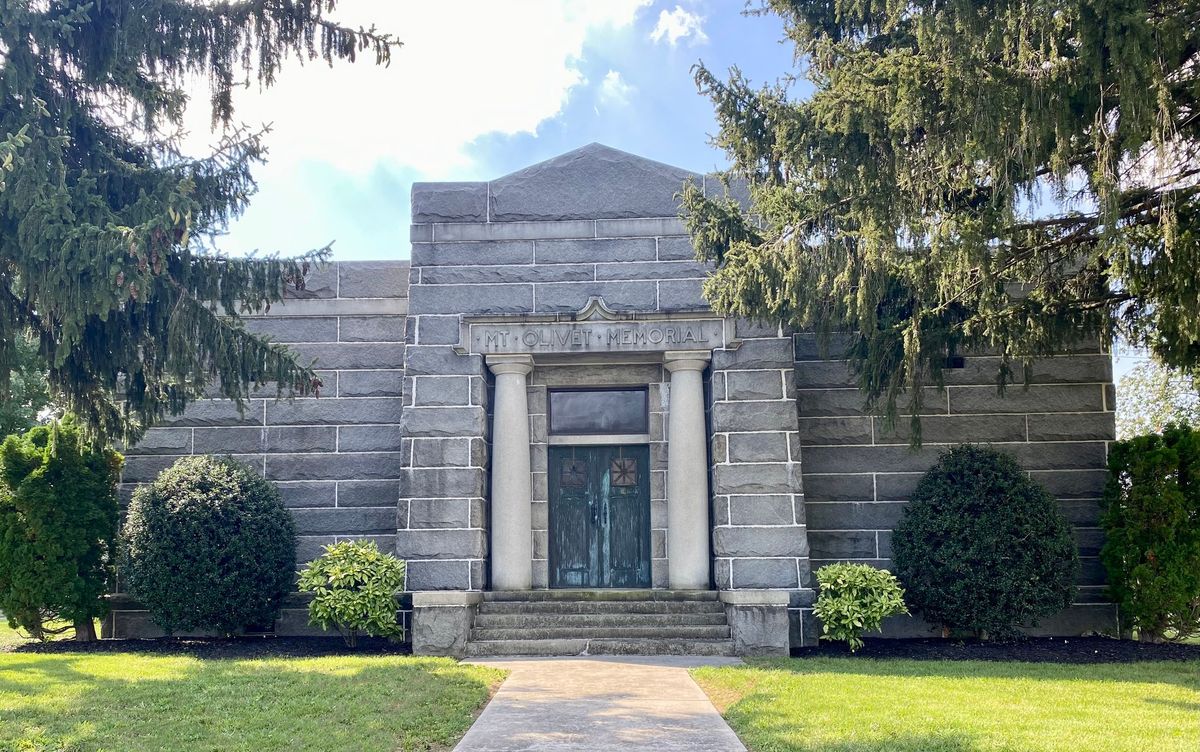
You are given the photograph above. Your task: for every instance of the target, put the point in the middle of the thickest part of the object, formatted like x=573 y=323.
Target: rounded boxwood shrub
x=354 y=588
x=1152 y=532
x=982 y=547
x=854 y=599
x=209 y=546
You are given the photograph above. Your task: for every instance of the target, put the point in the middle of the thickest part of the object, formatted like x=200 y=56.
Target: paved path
x=600 y=703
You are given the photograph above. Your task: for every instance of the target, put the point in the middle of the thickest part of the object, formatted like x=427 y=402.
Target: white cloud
x=679 y=24
x=467 y=68
x=615 y=91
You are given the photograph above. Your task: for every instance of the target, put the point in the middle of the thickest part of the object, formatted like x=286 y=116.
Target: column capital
x=687 y=360
x=521 y=364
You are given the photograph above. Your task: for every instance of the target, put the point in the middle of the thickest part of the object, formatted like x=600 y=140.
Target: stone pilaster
x=760 y=539
x=512 y=536
x=687 y=478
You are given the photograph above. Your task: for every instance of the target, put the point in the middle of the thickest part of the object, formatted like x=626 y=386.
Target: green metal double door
x=599 y=516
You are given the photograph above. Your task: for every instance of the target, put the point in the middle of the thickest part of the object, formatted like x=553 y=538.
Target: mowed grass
x=63 y=702
x=847 y=705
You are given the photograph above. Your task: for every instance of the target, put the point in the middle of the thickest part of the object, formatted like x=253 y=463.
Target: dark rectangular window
x=590 y=411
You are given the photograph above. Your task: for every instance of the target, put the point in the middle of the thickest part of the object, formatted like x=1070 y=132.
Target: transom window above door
x=621 y=410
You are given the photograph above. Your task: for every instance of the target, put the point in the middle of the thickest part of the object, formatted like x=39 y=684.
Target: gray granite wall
x=857 y=475
x=336 y=458
x=760 y=539
x=397 y=447
x=543 y=240
x=542 y=267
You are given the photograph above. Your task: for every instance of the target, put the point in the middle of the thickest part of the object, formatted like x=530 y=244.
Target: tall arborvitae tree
x=1010 y=176
x=107 y=229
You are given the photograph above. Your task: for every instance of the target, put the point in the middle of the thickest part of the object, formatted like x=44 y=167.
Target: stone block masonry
x=433 y=437
x=858 y=473
x=542 y=241
x=337 y=458
x=760 y=539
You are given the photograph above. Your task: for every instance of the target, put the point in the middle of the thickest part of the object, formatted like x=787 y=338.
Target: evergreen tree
x=1010 y=176
x=107 y=230
x=58 y=528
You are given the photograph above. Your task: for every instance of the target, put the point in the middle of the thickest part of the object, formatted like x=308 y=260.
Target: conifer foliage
x=107 y=230
x=1152 y=532
x=58 y=528
x=1010 y=175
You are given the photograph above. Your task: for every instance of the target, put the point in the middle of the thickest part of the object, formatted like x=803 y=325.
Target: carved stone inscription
x=596 y=336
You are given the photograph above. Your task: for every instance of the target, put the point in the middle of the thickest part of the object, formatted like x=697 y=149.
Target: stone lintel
x=597 y=331
x=599 y=439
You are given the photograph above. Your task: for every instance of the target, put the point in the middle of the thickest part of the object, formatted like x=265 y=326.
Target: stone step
x=626 y=646
x=600 y=595
x=677 y=632
x=601 y=607
x=487 y=620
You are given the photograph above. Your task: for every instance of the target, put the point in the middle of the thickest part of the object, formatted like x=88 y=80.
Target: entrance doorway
x=599 y=516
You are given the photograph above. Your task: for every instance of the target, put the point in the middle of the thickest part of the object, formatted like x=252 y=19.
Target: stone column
x=688 y=531
x=512 y=524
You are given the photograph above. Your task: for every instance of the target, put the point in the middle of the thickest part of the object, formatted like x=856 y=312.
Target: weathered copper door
x=599 y=516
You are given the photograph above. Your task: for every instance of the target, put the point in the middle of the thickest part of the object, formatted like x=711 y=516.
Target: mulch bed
x=234 y=647
x=1031 y=650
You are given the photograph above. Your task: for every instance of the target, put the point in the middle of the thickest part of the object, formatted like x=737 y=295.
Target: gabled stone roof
x=591 y=182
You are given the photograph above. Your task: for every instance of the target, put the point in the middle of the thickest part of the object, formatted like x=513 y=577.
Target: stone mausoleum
x=544 y=418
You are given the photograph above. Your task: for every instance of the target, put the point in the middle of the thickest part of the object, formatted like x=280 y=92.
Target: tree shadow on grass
x=182 y=704
x=1191 y=707
x=1180 y=673
x=785 y=740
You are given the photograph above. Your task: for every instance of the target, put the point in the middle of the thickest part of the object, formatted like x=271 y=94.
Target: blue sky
x=478 y=90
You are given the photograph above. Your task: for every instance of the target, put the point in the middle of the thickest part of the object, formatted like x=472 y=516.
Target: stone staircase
x=600 y=622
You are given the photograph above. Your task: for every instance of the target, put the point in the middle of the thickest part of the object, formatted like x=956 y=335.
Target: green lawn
x=847 y=705
x=128 y=701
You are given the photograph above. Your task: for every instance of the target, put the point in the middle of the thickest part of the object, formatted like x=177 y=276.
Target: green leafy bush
x=982 y=547
x=854 y=599
x=209 y=546
x=1152 y=532
x=58 y=528
x=354 y=587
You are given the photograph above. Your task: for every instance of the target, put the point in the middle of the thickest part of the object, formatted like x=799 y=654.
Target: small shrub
x=982 y=547
x=1152 y=532
x=209 y=546
x=854 y=599
x=58 y=528
x=354 y=588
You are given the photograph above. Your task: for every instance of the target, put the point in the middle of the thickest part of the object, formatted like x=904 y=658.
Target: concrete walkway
x=600 y=703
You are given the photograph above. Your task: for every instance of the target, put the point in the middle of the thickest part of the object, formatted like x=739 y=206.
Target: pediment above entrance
x=595 y=329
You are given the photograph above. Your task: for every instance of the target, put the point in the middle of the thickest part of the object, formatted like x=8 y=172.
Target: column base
x=442 y=621
x=758 y=621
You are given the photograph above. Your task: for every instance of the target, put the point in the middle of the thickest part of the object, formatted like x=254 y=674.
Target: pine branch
x=105 y=226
